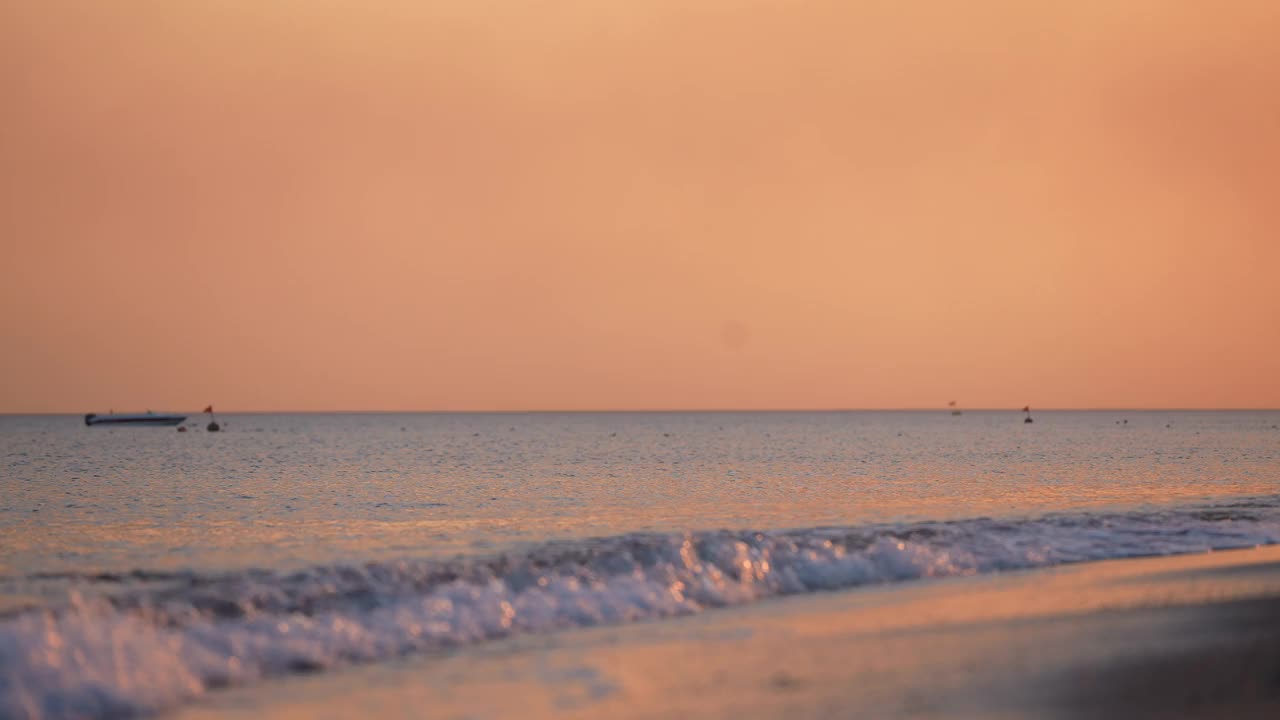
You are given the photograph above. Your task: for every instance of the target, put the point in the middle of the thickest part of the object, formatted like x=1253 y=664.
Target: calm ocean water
x=141 y=567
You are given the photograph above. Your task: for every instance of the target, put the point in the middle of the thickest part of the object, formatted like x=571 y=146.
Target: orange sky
x=333 y=204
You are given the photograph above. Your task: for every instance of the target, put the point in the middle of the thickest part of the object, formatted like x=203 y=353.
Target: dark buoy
x=182 y=428
x=213 y=425
x=1027 y=410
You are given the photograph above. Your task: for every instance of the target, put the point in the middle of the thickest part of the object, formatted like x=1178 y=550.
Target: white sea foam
x=119 y=646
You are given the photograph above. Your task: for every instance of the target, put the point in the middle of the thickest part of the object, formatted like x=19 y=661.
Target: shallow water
x=141 y=567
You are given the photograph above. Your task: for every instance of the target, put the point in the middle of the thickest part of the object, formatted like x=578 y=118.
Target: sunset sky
x=461 y=205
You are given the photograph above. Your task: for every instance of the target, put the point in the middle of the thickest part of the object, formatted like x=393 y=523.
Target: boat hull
x=158 y=419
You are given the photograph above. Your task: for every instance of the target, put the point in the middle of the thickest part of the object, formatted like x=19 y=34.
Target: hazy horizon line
x=603 y=411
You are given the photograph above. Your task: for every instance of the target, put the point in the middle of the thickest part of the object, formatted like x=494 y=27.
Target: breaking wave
x=121 y=645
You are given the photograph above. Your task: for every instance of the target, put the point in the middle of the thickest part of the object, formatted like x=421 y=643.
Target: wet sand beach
x=1188 y=636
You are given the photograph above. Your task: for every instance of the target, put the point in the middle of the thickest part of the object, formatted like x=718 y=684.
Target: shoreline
x=1181 y=636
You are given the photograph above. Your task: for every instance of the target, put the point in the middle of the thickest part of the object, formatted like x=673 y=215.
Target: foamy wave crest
x=125 y=645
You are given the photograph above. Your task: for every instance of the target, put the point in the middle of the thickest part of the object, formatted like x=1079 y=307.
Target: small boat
x=146 y=418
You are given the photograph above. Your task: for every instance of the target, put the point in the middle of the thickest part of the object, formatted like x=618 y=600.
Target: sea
x=142 y=569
